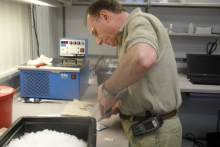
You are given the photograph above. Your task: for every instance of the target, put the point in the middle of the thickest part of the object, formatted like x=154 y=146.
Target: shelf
x=122 y=3
x=155 y=4
x=197 y=35
x=190 y=5
x=134 y=3
x=81 y=2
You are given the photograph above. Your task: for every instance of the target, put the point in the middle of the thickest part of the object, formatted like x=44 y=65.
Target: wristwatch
x=106 y=93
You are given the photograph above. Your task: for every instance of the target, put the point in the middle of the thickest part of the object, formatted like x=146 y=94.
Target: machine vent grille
x=36 y=84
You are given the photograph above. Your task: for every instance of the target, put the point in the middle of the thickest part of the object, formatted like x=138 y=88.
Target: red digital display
x=64 y=42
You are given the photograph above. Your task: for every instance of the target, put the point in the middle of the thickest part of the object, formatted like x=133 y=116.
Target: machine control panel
x=73 y=47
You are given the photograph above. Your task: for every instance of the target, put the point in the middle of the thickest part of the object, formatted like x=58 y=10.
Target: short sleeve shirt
x=158 y=90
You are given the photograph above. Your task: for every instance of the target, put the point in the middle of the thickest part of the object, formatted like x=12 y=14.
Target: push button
x=82 y=50
x=73 y=76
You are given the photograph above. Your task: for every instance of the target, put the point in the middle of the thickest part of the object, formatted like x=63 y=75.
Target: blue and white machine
x=66 y=79
x=73 y=48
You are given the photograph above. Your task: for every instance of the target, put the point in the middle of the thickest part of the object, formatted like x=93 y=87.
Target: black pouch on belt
x=151 y=123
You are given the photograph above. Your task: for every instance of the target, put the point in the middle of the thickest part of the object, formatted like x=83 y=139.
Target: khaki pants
x=169 y=135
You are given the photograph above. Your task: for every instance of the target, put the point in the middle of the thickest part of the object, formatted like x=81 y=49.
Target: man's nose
x=98 y=41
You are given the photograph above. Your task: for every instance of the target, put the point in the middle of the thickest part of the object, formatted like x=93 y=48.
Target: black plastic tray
x=82 y=127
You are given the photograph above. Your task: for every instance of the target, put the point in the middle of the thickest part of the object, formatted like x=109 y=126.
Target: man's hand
x=105 y=102
x=115 y=110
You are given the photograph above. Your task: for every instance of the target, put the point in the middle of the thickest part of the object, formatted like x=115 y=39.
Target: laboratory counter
x=187 y=86
x=114 y=131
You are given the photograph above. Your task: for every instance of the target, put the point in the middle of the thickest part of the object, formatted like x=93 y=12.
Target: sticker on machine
x=64 y=76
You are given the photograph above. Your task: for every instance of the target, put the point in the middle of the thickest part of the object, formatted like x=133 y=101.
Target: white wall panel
x=14 y=36
x=47 y=31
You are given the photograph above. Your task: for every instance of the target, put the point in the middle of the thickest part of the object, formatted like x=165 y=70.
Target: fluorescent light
x=38 y=2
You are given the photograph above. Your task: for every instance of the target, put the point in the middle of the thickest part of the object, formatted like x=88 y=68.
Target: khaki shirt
x=158 y=90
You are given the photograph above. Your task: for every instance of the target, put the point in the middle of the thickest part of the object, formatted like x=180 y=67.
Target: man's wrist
x=106 y=93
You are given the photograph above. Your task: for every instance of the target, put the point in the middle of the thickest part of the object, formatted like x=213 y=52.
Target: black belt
x=141 y=118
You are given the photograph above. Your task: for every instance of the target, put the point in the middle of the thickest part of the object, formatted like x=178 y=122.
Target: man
x=147 y=68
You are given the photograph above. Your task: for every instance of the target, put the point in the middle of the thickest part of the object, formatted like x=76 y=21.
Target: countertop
x=187 y=86
x=115 y=129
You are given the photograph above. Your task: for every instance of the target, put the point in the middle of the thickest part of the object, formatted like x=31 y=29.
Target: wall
x=14 y=41
x=180 y=18
x=47 y=31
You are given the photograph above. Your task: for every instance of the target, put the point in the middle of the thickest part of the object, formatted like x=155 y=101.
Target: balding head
x=110 y=5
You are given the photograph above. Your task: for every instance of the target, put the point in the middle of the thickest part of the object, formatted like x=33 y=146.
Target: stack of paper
x=78 y=108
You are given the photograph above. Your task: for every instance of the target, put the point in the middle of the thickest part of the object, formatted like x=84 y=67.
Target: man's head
x=103 y=20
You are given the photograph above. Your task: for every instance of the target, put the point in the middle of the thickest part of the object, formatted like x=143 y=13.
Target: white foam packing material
x=42 y=59
x=47 y=138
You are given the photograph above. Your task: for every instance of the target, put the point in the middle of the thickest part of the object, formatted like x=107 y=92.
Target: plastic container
x=191 y=28
x=171 y=28
x=6 y=97
x=82 y=127
x=103 y=74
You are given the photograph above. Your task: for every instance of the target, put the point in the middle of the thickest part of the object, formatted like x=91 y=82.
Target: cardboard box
x=203 y=30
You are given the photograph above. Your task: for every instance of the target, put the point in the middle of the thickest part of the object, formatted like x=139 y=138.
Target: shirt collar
x=130 y=16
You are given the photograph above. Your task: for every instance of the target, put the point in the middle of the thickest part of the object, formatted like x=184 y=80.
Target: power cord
x=92 y=70
x=35 y=29
x=100 y=58
x=211 y=47
x=191 y=137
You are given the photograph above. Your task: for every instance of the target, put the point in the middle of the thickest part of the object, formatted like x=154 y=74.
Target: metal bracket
x=218 y=121
x=64 y=22
x=66 y=2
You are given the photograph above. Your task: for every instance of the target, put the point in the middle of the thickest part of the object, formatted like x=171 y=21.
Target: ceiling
x=50 y=3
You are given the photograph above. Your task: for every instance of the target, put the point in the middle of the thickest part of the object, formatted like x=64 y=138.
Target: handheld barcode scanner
x=151 y=123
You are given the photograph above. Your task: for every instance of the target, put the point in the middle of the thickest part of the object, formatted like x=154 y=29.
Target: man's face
x=101 y=28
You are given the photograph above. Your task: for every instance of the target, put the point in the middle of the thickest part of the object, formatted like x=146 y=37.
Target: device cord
x=191 y=137
x=211 y=47
x=35 y=29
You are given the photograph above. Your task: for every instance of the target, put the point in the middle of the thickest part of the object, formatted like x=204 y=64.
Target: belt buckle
x=122 y=116
x=131 y=118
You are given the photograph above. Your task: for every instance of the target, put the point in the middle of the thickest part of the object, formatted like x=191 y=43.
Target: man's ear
x=104 y=14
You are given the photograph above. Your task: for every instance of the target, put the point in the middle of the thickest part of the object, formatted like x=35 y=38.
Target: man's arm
x=132 y=67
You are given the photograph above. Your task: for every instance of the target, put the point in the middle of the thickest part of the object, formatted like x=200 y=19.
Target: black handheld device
x=148 y=125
